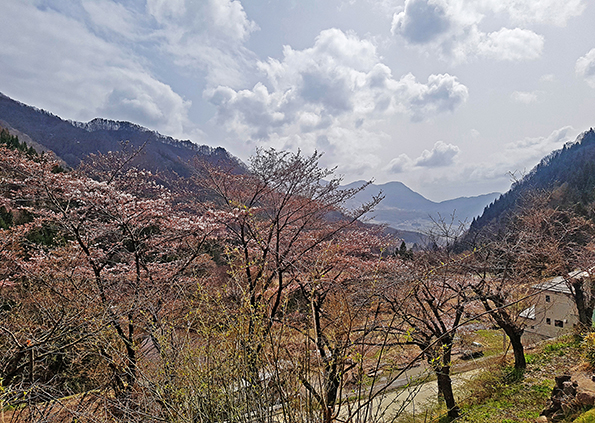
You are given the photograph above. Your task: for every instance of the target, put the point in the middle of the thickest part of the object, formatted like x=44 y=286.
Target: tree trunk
x=584 y=307
x=514 y=334
x=510 y=327
x=445 y=390
x=333 y=381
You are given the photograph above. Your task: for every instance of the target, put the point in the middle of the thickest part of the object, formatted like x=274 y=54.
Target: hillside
x=405 y=209
x=72 y=141
x=568 y=172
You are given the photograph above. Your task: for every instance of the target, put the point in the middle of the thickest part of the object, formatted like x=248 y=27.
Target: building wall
x=555 y=314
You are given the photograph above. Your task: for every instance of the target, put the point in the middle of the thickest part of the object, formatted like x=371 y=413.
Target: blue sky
x=447 y=96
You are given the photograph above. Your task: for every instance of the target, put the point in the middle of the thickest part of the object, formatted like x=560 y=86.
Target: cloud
x=453 y=28
x=511 y=44
x=441 y=155
x=522 y=155
x=341 y=76
x=517 y=157
x=524 y=97
x=552 y=12
x=585 y=67
x=205 y=36
x=442 y=93
x=548 y=12
x=109 y=17
x=338 y=88
x=399 y=164
x=63 y=66
x=421 y=21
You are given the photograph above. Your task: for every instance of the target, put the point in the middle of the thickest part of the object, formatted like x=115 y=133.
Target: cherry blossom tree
x=118 y=249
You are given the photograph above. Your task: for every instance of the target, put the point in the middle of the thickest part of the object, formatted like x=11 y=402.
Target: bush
x=589 y=348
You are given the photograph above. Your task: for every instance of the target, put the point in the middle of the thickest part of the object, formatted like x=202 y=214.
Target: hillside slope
x=568 y=172
x=72 y=141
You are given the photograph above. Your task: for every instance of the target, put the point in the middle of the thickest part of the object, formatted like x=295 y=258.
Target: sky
x=451 y=97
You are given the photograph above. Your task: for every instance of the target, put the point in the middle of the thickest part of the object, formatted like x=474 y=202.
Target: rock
x=541 y=419
x=569 y=395
x=585 y=399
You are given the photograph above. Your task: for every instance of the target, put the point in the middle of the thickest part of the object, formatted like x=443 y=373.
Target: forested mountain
x=569 y=173
x=405 y=209
x=72 y=141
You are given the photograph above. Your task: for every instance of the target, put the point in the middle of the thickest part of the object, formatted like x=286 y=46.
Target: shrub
x=589 y=348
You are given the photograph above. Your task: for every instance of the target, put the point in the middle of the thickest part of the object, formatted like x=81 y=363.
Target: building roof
x=528 y=313
x=559 y=283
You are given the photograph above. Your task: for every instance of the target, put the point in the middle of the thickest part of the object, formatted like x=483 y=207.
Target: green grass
x=494 y=396
x=588 y=417
x=495 y=400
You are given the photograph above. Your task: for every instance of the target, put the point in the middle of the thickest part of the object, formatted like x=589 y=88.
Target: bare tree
x=276 y=214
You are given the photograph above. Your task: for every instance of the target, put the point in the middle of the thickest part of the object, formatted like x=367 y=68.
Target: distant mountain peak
x=405 y=209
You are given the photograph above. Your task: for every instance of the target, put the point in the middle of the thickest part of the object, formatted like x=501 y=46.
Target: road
x=403 y=397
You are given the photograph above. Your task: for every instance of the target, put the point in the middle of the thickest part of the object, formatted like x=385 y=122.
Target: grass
x=588 y=417
x=494 y=396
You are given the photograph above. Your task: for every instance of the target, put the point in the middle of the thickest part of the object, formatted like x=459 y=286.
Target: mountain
x=569 y=173
x=406 y=210
x=72 y=141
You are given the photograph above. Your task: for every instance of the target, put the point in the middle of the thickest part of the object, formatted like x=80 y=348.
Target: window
x=548 y=321
x=547 y=298
x=559 y=323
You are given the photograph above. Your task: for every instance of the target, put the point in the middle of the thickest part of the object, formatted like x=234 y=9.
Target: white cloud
x=585 y=67
x=549 y=12
x=452 y=28
x=441 y=155
x=553 y=12
x=111 y=17
x=516 y=158
x=337 y=88
x=521 y=156
x=60 y=65
x=205 y=35
x=399 y=164
x=511 y=44
x=442 y=93
x=524 y=97
x=421 y=21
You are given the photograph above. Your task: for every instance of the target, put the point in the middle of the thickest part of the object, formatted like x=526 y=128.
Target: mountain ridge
x=405 y=209
x=402 y=208
x=72 y=141
x=569 y=172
